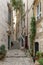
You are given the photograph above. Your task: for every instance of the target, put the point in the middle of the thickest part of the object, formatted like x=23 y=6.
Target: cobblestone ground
x=16 y=57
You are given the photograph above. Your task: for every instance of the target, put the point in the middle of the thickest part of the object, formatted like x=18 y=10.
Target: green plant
x=2 y=51
x=32 y=32
x=38 y=54
x=40 y=61
x=42 y=54
x=18 y=5
x=2 y=47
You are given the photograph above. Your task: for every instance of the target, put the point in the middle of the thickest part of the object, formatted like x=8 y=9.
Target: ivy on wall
x=32 y=32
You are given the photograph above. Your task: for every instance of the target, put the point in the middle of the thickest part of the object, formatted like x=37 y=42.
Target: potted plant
x=2 y=52
x=40 y=61
x=38 y=55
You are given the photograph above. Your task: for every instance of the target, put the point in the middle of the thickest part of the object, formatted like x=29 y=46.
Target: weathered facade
x=18 y=27
x=38 y=12
x=27 y=20
x=14 y=24
x=5 y=23
x=36 y=8
x=33 y=7
x=23 y=26
x=18 y=21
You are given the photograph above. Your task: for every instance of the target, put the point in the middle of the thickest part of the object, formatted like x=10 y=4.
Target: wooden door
x=8 y=42
x=26 y=42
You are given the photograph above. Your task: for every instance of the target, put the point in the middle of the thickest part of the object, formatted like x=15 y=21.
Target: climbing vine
x=32 y=31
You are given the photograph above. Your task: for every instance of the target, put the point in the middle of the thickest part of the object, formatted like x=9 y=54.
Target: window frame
x=39 y=11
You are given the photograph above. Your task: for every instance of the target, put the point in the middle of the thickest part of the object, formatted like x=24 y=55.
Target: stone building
x=26 y=21
x=23 y=27
x=18 y=24
x=38 y=12
x=18 y=27
x=14 y=24
x=33 y=7
x=5 y=21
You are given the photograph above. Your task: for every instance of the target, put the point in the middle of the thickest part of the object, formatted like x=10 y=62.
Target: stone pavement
x=16 y=57
x=15 y=53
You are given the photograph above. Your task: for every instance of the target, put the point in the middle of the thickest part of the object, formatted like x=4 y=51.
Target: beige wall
x=18 y=25
x=3 y=22
x=30 y=14
x=30 y=2
x=39 y=28
x=13 y=25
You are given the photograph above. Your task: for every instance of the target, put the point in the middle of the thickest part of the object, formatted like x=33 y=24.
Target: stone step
x=15 y=56
x=16 y=45
x=15 y=53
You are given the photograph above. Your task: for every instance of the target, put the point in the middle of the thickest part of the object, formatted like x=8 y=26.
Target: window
x=39 y=11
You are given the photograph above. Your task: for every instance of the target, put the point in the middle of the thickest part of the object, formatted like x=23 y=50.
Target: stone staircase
x=16 y=45
x=15 y=53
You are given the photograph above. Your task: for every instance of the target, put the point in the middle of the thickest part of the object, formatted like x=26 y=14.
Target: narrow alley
x=16 y=57
x=21 y=32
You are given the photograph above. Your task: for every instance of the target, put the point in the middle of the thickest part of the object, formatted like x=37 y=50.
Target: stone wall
x=39 y=27
x=3 y=22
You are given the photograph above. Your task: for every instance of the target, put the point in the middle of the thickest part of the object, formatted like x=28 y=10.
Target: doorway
x=8 y=42
x=26 y=42
x=36 y=47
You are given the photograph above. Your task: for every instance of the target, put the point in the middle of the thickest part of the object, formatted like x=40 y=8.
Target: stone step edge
x=14 y=56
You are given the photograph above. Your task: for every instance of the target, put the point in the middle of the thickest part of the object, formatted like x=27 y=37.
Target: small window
x=39 y=11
